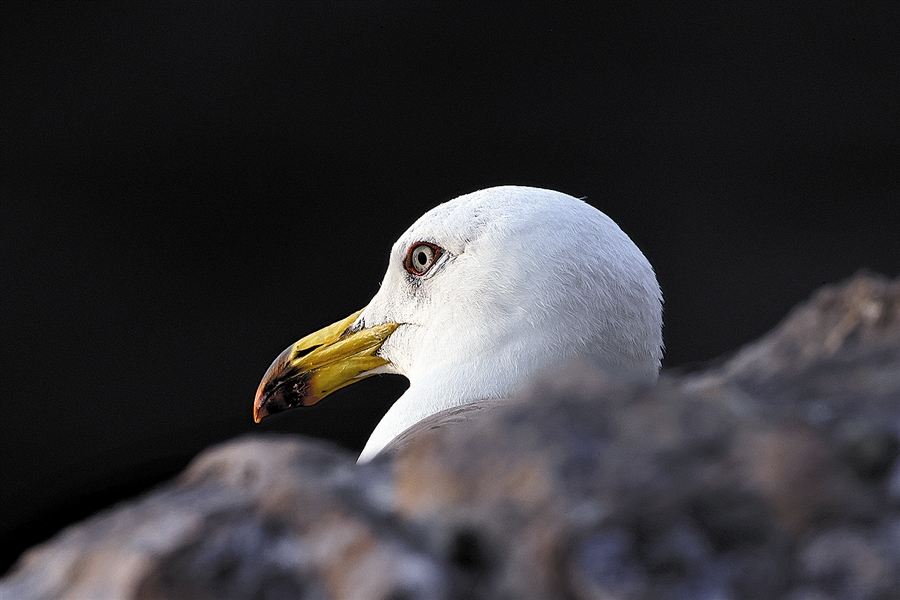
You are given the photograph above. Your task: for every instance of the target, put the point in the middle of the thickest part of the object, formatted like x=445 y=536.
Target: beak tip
x=259 y=413
x=259 y=407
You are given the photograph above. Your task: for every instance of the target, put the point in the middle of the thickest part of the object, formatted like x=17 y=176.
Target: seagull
x=482 y=294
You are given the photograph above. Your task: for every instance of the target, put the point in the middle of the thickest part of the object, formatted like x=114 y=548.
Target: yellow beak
x=321 y=363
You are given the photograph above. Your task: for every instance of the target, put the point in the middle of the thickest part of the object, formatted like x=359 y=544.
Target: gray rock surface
x=252 y=518
x=773 y=474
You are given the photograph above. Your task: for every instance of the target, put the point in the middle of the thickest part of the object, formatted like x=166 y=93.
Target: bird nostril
x=301 y=353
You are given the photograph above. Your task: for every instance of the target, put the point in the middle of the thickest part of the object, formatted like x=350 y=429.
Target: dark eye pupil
x=421 y=257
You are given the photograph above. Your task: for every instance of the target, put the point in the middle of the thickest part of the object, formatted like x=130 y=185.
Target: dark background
x=189 y=188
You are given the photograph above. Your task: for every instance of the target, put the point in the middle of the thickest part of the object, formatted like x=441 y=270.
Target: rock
x=772 y=474
x=832 y=364
x=252 y=518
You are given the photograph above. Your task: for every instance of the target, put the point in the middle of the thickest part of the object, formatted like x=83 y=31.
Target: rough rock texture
x=772 y=475
x=253 y=518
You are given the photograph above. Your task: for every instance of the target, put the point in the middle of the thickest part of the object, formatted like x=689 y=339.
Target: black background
x=189 y=188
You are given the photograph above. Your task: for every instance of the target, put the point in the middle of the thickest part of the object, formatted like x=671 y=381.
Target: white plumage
x=525 y=280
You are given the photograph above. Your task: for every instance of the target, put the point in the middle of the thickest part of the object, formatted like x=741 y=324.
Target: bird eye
x=421 y=257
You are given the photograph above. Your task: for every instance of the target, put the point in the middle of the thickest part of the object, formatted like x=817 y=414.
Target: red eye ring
x=420 y=257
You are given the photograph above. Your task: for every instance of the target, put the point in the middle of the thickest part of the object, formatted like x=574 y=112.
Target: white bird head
x=481 y=294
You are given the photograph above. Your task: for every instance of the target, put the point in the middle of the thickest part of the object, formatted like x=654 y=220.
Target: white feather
x=529 y=278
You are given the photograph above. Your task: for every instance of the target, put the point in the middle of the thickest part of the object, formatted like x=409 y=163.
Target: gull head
x=481 y=294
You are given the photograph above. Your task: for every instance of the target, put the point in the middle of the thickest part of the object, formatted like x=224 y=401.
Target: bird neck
x=425 y=397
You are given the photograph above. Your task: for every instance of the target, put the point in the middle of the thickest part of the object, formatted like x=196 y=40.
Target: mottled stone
x=253 y=518
x=772 y=474
x=706 y=485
